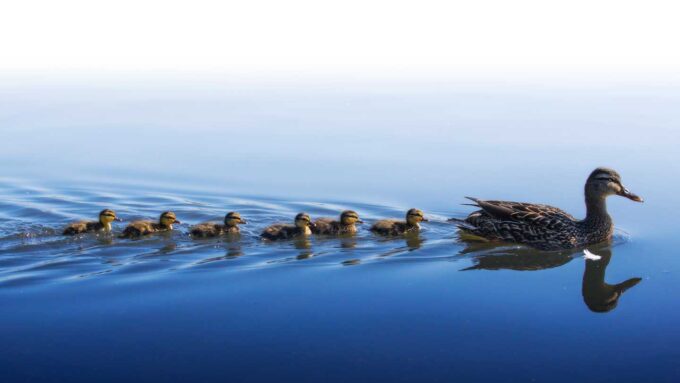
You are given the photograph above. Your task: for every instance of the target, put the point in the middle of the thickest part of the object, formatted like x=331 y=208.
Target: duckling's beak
x=359 y=221
x=425 y=219
x=177 y=222
x=631 y=196
x=118 y=219
x=243 y=221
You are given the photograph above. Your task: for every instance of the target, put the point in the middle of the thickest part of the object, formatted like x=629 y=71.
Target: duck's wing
x=528 y=213
x=322 y=226
x=206 y=229
x=76 y=228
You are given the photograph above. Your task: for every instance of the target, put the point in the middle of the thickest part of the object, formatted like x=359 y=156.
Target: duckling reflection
x=413 y=240
x=598 y=295
x=348 y=242
x=234 y=250
x=305 y=246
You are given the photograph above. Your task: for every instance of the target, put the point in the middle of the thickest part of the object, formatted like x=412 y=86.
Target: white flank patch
x=588 y=255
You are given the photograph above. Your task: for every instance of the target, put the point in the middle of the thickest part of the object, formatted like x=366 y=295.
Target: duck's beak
x=177 y=222
x=118 y=219
x=631 y=196
x=359 y=221
x=425 y=220
x=243 y=221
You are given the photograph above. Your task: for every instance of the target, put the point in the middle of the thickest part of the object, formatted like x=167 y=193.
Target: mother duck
x=546 y=227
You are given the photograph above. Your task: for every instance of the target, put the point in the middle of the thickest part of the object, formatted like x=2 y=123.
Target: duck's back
x=82 y=227
x=279 y=231
x=207 y=229
x=541 y=226
x=323 y=226
x=329 y=226
x=389 y=227
x=139 y=228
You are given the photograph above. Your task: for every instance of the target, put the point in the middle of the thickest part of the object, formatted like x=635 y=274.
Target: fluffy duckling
x=106 y=216
x=211 y=229
x=396 y=227
x=301 y=228
x=140 y=228
x=346 y=224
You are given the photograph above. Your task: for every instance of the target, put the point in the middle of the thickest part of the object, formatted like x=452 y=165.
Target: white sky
x=392 y=38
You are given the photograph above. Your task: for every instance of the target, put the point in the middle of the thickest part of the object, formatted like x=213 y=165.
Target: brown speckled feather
x=207 y=229
x=329 y=226
x=83 y=227
x=540 y=226
x=140 y=228
x=281 y=231
x=392 y=227
x=212 y=229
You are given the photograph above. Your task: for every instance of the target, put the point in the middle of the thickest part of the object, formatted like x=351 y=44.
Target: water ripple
x=33 y=252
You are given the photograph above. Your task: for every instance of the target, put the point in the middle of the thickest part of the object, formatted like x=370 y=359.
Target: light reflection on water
x=423 y=307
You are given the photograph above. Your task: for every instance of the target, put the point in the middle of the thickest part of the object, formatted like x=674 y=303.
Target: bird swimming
x=546 y=227
x=212 y=229
x=346 y=224
x=391 y=227
x=106 y=216
x=301 y=227
x=141 y=228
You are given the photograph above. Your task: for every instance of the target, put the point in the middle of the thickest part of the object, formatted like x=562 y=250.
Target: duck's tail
x=462 y=224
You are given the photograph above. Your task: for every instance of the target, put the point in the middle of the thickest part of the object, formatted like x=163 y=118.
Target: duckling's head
x=107 y=216
x=350 y=217
x=168 y=218
x=303 y=220
x=604 y=182
x=414 y=216
x=233 y=218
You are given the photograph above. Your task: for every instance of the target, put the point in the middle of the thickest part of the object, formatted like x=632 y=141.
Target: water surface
x=423 y=308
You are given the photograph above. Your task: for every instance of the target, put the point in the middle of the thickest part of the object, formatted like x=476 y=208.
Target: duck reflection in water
x=598 y=295
x=413 y=241
x=233 y=249
x=305 y=246
x=348 y=242
x=519 y=258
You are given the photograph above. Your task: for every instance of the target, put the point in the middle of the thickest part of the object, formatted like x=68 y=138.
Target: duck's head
x=303 y=220
x=233 y=218
x=414 y=216
x=168 y=218
x=604 y=182
x=350 y=217
x=107 y=216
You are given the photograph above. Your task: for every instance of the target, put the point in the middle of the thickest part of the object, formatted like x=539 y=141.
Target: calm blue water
x=169 y=308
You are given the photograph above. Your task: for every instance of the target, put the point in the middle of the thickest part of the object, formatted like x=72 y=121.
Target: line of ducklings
x=539 y=226
x=301 y=226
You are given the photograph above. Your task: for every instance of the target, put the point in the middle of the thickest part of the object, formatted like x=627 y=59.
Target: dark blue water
x=430 y=308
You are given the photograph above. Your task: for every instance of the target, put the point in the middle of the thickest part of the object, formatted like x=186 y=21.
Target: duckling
x=396 y=227
x=211 y=229
x=301 y=228
x=140 y=228
x=346 y=224
x=106 y=216
x=546 y=227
